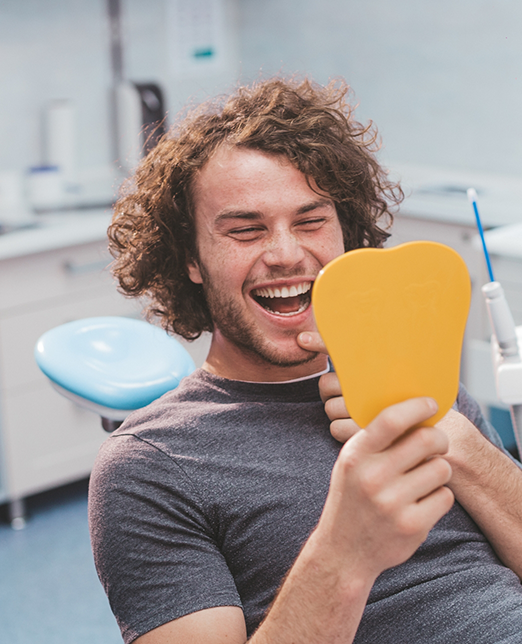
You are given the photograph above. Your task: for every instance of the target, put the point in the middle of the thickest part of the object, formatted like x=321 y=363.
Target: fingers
x=342 y=426
x=410 y=469
x=336 y=408
x=425 y=479
x=419 y=497
x=329 y=386
x=387 y=427
x=417 y=446
x=343 y=429
x=311 y=341
x=396 y=420
x=431 y=508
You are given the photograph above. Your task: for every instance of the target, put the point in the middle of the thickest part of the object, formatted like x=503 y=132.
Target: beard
x=230 y=319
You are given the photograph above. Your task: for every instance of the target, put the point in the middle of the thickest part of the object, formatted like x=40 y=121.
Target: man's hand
x=342 y=427
x=390 y=477
x=484 y=480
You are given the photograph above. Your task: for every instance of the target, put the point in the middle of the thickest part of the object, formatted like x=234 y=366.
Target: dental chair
x=112 y=365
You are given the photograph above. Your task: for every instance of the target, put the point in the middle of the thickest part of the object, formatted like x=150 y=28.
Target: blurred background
x=442 y=81
x=80 y=83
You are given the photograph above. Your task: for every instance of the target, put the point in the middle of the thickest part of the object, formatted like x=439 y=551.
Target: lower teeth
x=302 y=308
x=303 y=300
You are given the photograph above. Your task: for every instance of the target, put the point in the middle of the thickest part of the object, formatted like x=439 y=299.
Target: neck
x=235 y=363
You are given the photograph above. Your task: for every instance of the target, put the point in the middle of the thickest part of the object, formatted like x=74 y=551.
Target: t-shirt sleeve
x=469 y=407
x=153 y=543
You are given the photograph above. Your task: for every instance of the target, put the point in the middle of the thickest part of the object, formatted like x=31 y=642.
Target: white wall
x=56 y=49
x=442 y=79
x=149 y=52
x=52 y=49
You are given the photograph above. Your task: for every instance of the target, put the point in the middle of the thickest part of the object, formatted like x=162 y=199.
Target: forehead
x=249 y=180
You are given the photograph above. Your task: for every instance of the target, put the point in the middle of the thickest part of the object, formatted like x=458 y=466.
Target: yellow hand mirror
x=393 y=322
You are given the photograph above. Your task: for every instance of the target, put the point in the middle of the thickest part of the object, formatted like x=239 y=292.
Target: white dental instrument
x=505 y=342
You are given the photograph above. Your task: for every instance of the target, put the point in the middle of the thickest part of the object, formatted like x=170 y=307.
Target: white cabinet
x=45 y=439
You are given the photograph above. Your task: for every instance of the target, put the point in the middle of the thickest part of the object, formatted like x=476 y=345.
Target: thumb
x=311 y=341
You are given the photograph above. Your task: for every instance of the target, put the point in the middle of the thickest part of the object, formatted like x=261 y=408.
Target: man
x=226 y=510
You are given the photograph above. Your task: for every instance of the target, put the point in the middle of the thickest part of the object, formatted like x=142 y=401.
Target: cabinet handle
x=72 y=268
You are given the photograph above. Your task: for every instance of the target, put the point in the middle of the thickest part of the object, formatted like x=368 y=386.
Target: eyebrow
x=254 y=215
x=313 y=205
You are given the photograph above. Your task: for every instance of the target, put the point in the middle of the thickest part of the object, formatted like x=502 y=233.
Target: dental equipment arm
x=507 y=364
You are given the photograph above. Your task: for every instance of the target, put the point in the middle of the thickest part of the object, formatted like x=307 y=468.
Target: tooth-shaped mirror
x=393 y=322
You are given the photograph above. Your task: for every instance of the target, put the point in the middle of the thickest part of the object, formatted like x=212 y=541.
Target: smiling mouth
x=284 y=300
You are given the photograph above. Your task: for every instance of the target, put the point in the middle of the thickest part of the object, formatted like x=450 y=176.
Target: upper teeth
x=283 y=291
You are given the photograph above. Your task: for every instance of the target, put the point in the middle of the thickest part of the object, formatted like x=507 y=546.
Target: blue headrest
x=117 y=362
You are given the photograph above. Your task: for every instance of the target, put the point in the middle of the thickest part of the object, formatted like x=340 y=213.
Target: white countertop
x=51 y=232
x=440 y=194
x=84 y=220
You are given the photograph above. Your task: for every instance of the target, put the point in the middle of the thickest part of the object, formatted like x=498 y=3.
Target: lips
x=284 y=300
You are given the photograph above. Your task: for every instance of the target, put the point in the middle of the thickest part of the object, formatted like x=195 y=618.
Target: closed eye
x=312 y=224
x=246 y=234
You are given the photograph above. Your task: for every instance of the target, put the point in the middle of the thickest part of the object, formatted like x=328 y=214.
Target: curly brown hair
x=152 y=234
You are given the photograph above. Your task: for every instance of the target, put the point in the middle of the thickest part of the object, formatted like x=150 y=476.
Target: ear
x=193 y=272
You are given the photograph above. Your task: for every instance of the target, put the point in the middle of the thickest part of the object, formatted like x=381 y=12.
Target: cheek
x=330 y=242
x=237 y=261
x=331 y=248
x=228 y=268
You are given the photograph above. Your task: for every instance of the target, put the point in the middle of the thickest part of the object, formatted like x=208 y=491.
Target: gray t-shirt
x=206 y=497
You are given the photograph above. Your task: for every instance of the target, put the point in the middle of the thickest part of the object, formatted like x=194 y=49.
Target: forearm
x=321 y=600
x=488 y=485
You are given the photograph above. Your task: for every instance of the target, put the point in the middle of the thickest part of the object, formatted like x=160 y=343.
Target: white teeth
x=284 y=291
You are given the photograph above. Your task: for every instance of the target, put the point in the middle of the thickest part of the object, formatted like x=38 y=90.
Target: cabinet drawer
x=25 y=281
x=19 y=333
x=47 y=440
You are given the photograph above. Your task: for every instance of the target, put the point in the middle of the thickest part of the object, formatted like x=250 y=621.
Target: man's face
x=263 y=235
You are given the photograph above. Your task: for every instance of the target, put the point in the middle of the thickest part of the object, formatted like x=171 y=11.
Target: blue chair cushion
x=116 y=362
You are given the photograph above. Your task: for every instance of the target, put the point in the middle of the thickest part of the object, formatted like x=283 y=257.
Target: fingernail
x=305 y=338
x=432 y=405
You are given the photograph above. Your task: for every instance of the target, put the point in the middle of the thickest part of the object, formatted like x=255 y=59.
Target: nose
x=283 y=250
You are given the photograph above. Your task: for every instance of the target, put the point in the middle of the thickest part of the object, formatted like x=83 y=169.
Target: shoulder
x=174 y=409
x=164 y=434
